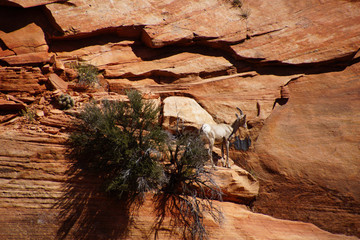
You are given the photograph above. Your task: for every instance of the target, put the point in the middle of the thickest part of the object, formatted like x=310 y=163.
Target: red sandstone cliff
x=292 y=67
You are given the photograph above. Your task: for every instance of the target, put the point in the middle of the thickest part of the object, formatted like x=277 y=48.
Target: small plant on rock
x=88 y=74
x=28 y=113
x=244 y=12
x=66 y=101
x=236 y=3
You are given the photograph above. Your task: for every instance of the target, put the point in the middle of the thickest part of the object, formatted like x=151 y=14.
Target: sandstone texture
x=39 y=202
x=185 y=109
x=324 y=142
x=292 y=67
x=300 y=34
x=17 y=79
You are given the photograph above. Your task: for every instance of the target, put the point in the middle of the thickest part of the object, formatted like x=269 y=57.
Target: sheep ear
x=245 y=125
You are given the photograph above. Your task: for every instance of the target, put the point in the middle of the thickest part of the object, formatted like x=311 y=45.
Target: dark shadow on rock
x=15 y=18
x=74 y=43
x=86 y=212
x=241 y=144
x=181 y=216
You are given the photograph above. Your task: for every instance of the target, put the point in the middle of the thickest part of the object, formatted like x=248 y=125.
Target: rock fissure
x=265 y=33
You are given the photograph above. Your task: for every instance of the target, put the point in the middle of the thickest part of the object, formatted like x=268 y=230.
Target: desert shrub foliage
x=189 y=190
x=123 y=143
x=116 y=140
x=88 y=74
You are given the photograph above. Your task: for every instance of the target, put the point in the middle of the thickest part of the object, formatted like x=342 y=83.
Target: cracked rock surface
x=292 y=67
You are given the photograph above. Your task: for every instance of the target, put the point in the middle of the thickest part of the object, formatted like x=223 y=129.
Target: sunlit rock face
x=39 y=193
x=313 y=141
x=292 y=68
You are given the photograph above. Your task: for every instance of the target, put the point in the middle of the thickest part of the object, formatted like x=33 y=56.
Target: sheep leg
x=227 y=154
x=211 y=145
x=222 y=150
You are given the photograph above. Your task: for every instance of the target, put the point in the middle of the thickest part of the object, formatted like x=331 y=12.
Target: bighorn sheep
x=216 y=133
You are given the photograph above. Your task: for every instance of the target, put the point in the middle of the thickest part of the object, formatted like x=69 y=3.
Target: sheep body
x=222 y=133
x=217 y=133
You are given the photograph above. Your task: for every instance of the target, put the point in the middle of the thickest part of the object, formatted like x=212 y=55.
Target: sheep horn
x=241 y=113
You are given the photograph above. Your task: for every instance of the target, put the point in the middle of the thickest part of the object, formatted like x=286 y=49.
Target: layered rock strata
x=291 y=67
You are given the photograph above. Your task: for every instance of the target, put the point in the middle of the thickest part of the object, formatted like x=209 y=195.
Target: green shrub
x=28 y=113
x=87 y=74
x=123 y=143
x=66 y=101
x=117 y=140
